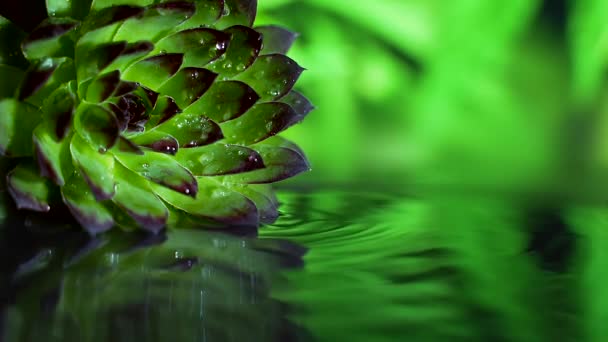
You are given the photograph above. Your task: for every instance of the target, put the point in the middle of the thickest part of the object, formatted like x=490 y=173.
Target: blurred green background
x=504 y=94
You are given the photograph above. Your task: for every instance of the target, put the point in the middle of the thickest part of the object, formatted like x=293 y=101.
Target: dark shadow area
x=182 y=285
x=26 y=14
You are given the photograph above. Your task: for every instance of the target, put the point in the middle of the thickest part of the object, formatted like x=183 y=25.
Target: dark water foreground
x=339 y=265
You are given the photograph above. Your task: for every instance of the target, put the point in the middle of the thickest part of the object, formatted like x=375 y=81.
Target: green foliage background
x=427 y=92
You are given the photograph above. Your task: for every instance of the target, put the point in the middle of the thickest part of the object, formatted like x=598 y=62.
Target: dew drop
x=221 y=45
x=269 y=126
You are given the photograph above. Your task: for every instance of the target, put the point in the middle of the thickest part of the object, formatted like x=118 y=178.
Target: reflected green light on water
x=455 y=268
x=338 y=264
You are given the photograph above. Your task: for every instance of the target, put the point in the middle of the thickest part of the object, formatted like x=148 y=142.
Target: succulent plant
x=145 y=113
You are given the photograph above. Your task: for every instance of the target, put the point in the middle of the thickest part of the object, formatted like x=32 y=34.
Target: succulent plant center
x=146 y=114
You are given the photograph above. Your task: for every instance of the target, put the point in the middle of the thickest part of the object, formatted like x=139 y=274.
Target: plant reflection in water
x=338 y=265
x=183 y=286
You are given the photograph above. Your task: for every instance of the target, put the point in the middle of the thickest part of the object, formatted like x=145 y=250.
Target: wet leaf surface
x=158 y=142
x=214 y=201
x=134 y=196
x=17 y=122
x=51 y=39
x=224 y=101
x=300 y=104
x=51 y=154
x=98 y=126
x=238 y=12
x=207 y=12
x=260 y=122
x=219 y=159
x=264 y=198
x=243 y=49
x=28 y=189
x=155 y=21
x=97 y=169
x=153 y=71
x=280 y=162
x=272 y=76
x=58 y=110
x=200 y=46
x=188 y=85
x=192 y=130
x=93 y=216
x=161 y=169
x=103 y=86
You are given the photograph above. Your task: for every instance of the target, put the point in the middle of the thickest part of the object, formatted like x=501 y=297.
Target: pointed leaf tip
x=260 y=122
x=98 y=126
x=158 y=142
x=94 y=217
x=192 y=130
x=161 y=169
x=134 y=196
x=50 y=39
x=219 y=159
x=199 y=45
x=282 y=160
x=300 y=104
x=238 y=12
x=272 y=76
x=216 y=202
x=28 y=189
x=153 y=71
x=96 y=169
x=244 y=47
x=224 y=101
x=276 y=39
x=188 y=85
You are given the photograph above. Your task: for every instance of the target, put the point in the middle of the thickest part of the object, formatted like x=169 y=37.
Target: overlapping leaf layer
x=145 y=114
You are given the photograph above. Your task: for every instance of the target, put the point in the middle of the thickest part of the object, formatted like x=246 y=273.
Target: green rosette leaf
x=10 y=49
x=93 y=216
x=96 y=168
x=11 y=73
x=276 y=39
x=150 y=114
x=17 y=122
x=282 y=160
x=28 y=188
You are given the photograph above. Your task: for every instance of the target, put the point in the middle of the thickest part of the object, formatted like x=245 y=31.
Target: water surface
x=339 y=264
